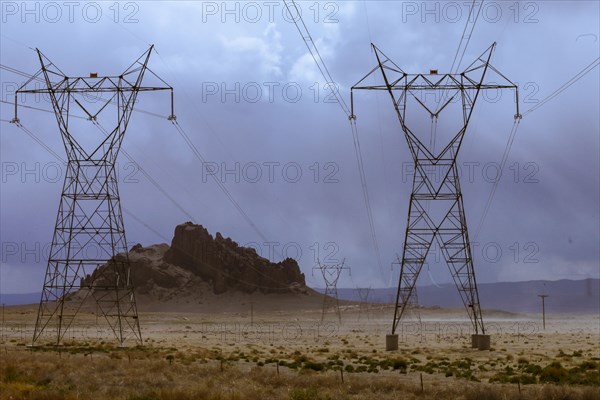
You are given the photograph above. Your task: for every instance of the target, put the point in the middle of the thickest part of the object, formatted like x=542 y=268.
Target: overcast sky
x=252 y=100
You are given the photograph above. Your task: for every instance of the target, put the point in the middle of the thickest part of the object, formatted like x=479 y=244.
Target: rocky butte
x=197 y=261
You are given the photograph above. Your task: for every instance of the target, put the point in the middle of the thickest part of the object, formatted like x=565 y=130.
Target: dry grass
x=198 y=356
x=147 y=374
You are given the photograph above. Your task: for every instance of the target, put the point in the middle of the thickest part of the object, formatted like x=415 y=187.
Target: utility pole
x=543 y=297
x=89 y=230
x=436 y=209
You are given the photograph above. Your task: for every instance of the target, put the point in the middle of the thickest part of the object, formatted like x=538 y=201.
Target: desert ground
x=273 y=347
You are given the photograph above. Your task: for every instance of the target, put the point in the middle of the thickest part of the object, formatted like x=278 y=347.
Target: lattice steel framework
x=449 y=228
x=331 y=274
x=407 y=291
x=89 y=230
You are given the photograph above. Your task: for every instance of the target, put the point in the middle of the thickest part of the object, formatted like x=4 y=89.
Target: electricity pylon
x=331 y=274
x=363 y=295
x=89 y=230
x=436 y=210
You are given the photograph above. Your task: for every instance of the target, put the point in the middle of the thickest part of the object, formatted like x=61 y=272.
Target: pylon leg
x=448 y=227
x=417 y=243
x=454 y=243
x=89 y=232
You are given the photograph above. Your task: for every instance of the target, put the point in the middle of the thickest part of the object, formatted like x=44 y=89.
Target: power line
x=127 y=155
x=488 y=204
x=468 y=37
x=316 y=56
x=366 y=198
x=220 y=184
x=150 y=179
x=561 y=89
x=172 y=118
x=137 y=219
x=458 y=50
x=39 y=109
x=39 y=141
x=36 y=78
x=190 y=145
x=513 y=133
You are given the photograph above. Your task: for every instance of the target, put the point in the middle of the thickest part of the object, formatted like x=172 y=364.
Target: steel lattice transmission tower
x=363 y=295
x=89 y=230
x=436 y=210
x=331 y=274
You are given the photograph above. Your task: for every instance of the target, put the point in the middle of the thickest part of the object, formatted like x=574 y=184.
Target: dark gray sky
x=248 y=94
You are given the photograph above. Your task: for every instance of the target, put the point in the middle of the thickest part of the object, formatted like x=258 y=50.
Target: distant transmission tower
x=89 y=230
x=331 y=274
x=436 y=208
x=363 y=295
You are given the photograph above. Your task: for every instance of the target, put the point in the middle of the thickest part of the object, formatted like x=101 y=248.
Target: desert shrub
x=314 y=366
x=399 y=363
x=532 y=369
x=588 y=365
x=554 y=373
x=361 y=368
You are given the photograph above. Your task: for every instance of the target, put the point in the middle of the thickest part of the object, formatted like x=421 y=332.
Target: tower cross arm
x=96 y=90
x=405 y=87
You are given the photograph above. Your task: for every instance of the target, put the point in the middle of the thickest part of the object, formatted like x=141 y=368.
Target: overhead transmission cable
x=40 y=109
x=488 y=204
x=188 y=142
x=456 y=62
x=461 y=49
x=39 y=141
x=147 y=175
x=131 y=214
x=513 y=133
x=316 y=56
x=561 y=89
x=127 y=155
x=314 y=52
x=220 y=184
x=38 y=79
x=468 y=38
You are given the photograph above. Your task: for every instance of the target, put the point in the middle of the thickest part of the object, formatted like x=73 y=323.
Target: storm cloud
x=255 y=105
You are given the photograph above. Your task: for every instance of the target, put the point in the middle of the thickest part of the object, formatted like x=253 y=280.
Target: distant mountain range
x=20 y=298
x=564 y=296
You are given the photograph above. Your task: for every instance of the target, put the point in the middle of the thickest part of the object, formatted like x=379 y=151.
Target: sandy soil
x=253 y=330
x=258 y=323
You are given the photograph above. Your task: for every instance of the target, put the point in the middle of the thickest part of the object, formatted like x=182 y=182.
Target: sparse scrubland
x=292 y=355
x=101 y=371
